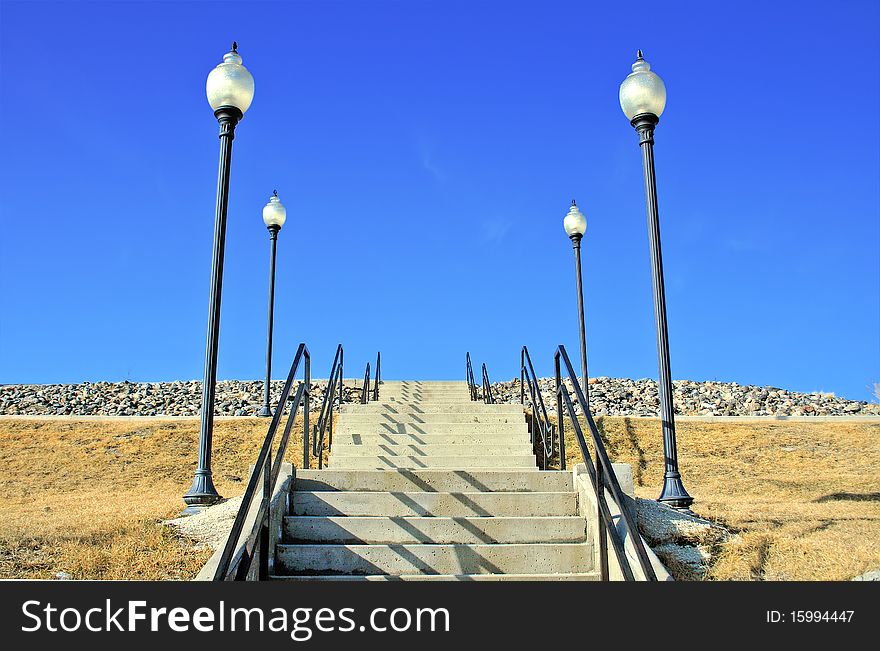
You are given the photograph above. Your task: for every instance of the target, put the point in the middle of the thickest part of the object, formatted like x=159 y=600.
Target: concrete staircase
x=426 y=484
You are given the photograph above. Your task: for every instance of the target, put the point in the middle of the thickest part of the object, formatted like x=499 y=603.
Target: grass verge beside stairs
x=85 y=497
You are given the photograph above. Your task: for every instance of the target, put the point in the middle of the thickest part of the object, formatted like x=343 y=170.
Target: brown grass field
x=803 y=497
x=86 y=496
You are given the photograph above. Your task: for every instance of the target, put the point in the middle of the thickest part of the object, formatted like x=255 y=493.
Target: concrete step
x=428 y=450
x=387 y=387
x=388 y=462
x=434 y=559
x=421 y=400
x=581 y=576
x=512 y=437
x=459 y=394
x=346 y=427
x=402 y=504
x=434 y=480
x=425 y=383
x=441 y=418
x=462 y=389
x=434 y=530
x=474 y=408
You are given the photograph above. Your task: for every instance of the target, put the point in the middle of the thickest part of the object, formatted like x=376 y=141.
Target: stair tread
x=572 y=576
x=454 y=518
x=426 y=484
x=429 y=558
x=464 y=493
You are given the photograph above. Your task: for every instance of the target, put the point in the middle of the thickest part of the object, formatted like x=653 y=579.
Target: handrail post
x=561 y=445
x=522 y=375
x=560 y=419
x=532 y=428
x=339 y=389
x=264 y=528
x=341 y=376
x=307 y=379
x=601 y=525
x=365 y=390
x=378 y=375
x=329 y=442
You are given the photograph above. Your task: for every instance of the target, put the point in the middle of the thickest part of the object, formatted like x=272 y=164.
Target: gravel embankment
x=608 y=396
x=625 y=397
x=233 y=398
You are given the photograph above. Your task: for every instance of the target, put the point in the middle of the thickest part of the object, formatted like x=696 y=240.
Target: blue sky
x=427 y=153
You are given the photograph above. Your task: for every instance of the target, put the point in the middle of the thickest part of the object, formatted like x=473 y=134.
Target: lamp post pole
x=643 y=98
x=230 y=90
x=274 y=215
x=575 y=226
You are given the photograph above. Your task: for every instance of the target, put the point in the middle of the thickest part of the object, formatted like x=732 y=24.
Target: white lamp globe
x=230 y=83
x=575 y=223
x=274 y=212
x=642 y=91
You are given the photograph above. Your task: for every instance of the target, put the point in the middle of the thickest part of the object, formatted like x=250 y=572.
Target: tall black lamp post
x=274 y=216
x=575 y=226
x=230 y=90
x=643 y=98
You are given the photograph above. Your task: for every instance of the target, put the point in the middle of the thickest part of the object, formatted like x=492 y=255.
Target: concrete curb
x=278 y=511
x=587 y=506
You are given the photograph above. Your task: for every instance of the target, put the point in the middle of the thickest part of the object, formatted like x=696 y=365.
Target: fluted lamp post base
x=201 y=494
x=674 y=493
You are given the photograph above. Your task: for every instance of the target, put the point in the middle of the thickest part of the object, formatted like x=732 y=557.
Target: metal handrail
x=365 y=391
x=378 y=375
x=269 y=471
x=488 y=396
x=539 y=422
x=469 y=373
x=325 y=419
x=604 y=479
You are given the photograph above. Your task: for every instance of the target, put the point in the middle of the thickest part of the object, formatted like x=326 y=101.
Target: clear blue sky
x=427 y=153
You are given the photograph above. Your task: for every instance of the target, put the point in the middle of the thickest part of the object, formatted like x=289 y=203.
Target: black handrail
x=603 y=477
x=488 y=397
x=325 y=419
x=269 y=471
x=365 y=391
x=378 y=375
x=539 y=422
x=469 y=373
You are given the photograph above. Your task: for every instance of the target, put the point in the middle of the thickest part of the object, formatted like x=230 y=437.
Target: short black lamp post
x=575 y=226
x=230 y=90
x=643 y=98
x=274 y=216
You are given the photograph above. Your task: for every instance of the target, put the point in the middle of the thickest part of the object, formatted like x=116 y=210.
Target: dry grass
x=804 y=497
x=85 y=496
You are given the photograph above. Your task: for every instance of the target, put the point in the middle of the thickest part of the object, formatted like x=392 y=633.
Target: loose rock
x=625 y=397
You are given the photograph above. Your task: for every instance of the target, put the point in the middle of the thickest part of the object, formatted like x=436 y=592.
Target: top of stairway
x=417 y=391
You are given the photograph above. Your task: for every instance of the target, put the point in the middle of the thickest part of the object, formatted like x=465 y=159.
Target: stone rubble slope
x=233 y=398
x=608 y=396
x=625 y=397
